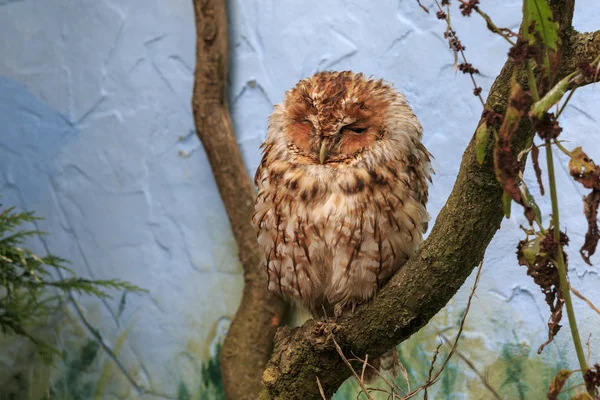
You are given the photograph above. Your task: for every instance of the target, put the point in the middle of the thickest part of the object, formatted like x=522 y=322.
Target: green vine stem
x=560 y=260
x=530 y=75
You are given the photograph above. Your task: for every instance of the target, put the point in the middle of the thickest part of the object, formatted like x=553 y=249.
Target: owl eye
x=354 y=129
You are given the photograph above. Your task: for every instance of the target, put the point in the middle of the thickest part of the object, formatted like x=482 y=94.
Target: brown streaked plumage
x=342 y=189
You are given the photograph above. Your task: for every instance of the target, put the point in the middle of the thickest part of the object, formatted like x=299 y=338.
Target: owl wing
x=286 y=243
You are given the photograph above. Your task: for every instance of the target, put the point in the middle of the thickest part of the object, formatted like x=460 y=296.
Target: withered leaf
x=535 y=155
x=537 y=255
x=547 y=126
x=585 y=171
x=558 y=383
x=592 y=379
x=590 y=209
x=506 y=166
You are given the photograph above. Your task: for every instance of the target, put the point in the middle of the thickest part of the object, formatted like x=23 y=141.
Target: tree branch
x=463 y=230
x=580 y=47
x=249 y=341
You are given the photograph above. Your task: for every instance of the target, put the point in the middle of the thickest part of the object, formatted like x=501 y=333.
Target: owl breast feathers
x=342 y=189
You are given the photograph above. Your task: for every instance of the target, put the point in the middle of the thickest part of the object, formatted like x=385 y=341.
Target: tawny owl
x=342 y=190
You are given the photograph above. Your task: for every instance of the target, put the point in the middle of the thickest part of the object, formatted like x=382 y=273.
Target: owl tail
x=387 y=363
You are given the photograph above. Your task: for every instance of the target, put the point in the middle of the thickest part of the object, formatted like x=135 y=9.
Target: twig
x=572 y=387
x=321 y=388
x=562 y=108
x=457 y=47
x=423 y=7
x=435 y=354
x=582 y=297
x=561 y=148
x=362 y=374
x=492 y=27
x=431 y=381
x=470 y=364
x=341 y=353
x=405 y=376
x=392 y=384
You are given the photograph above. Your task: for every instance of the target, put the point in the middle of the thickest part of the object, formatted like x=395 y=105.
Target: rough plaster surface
x=97 y=137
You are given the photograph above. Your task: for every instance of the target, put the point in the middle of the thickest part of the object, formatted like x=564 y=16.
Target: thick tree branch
x=249 y=341
x=580 y=47
x=463 y=230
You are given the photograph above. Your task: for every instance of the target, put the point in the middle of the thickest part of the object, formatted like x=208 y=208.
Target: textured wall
x=97 y=137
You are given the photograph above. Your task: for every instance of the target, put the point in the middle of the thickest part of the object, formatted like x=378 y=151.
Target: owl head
x=338 y=119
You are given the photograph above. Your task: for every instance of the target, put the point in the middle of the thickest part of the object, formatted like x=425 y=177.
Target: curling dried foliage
x=507 y=166
x=27 y=297
x=538 y=255
x=584 y=171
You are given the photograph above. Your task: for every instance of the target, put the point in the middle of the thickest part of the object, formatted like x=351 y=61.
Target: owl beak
x=323 y=153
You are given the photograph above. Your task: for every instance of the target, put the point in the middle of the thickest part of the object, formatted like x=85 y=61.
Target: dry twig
x=321 y=388
x=432 y=380
x=470 y=364
x=582 y=297
x=360 y=382
x=435 y=354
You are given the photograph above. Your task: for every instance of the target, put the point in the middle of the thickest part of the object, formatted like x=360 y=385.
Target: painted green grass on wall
x=211 y=387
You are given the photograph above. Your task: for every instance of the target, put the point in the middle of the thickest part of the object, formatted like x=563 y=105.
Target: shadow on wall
x=30 y=130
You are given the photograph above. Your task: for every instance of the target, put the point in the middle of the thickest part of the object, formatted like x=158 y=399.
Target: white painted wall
x=97 y=137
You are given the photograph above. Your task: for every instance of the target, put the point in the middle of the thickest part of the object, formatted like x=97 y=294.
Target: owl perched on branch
x=342 y=189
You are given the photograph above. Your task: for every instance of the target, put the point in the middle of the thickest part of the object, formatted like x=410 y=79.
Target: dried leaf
x=585 y=171
x=535 y=155
x=537 y=255
x=590 y=209
x=506 y=166
x=547 y=127
x=481 y=140
x=592 y=379
x=558 y=383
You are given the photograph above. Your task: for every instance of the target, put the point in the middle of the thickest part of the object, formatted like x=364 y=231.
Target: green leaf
x=531 y=202
x=531 y=250
x=122 y=304
x=506 y=201
x=540 y=12
x=481 y=139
